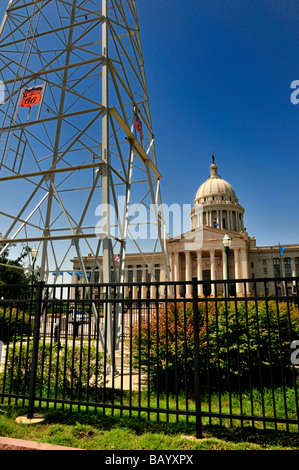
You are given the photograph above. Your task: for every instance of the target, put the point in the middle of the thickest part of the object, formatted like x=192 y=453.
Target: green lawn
x=98 y=431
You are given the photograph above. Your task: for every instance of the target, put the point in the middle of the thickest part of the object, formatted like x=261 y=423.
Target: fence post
x=196 y=359
x=38 y=310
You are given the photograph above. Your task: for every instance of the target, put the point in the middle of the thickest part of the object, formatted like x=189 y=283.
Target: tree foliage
x=11 y=275
x=14 y=323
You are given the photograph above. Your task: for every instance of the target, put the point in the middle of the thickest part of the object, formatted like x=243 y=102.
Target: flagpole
x=280 y=266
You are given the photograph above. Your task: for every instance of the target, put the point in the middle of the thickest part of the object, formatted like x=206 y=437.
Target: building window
x=276 y=265
x=148 y=276
x=287 y=267
x=139 y=273
x=278 y=291
x=130 y=273
x=265 y=271
x=157 y=272
x=264 y=262
x=96 y=276
x=297 y=266
x=252 y=265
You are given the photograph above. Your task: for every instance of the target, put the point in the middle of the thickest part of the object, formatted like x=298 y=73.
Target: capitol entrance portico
x=209 y=263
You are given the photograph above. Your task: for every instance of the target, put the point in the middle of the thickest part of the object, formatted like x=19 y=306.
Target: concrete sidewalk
x=7 y=443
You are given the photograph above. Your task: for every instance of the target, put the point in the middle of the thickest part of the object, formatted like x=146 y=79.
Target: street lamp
x=226 y=245
x=34 y=253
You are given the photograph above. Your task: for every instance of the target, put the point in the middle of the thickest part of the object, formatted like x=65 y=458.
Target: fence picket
x=36 y=335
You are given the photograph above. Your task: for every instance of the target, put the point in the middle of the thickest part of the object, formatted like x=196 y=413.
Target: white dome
x=215 y=189
x=220 y=205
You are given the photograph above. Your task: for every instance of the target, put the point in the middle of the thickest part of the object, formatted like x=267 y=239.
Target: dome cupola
x=221 y=208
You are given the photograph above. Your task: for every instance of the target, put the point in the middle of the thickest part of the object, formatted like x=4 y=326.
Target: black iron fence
x=170 y=351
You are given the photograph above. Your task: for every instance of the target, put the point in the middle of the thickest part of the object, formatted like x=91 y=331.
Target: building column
x=188 y=272
x=224 y=271
x=138 y=288
x=244 y=263
x=293 y=267
x=144 y=288
x=244 y=271
x=213 y=271
x=282 y=266
x=231 y=219
x=238 y=221
x=239 y=287
x=171 y=266
x=199 y=272
x=176 y=266
x=134 y=288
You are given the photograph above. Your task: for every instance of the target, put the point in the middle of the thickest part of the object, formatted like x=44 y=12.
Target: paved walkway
x=8 y=443
x=125 y=378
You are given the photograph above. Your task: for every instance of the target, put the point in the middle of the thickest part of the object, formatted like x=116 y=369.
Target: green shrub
x=163 y=346
x=238 y=343
x=14 y=324
x=249 y=341
x=72 y=372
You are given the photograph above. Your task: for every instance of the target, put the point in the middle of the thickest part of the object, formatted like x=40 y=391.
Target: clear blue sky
x=219 y=75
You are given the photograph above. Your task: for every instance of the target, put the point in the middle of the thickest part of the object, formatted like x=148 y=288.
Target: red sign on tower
x=31 y=97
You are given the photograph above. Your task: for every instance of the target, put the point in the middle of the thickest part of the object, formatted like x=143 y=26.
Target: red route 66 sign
x=31 y=97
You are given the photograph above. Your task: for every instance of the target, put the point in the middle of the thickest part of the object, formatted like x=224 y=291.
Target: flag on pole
x=138 y=125
x=116 y=258
x=31 y=97
x=281 y=250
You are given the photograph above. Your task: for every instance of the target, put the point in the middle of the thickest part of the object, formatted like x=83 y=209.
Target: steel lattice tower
x=80 y=148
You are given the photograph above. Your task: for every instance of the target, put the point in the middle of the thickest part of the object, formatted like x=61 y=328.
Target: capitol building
x=216 y=213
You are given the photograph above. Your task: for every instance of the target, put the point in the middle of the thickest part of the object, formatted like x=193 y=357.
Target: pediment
x=197 y=238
